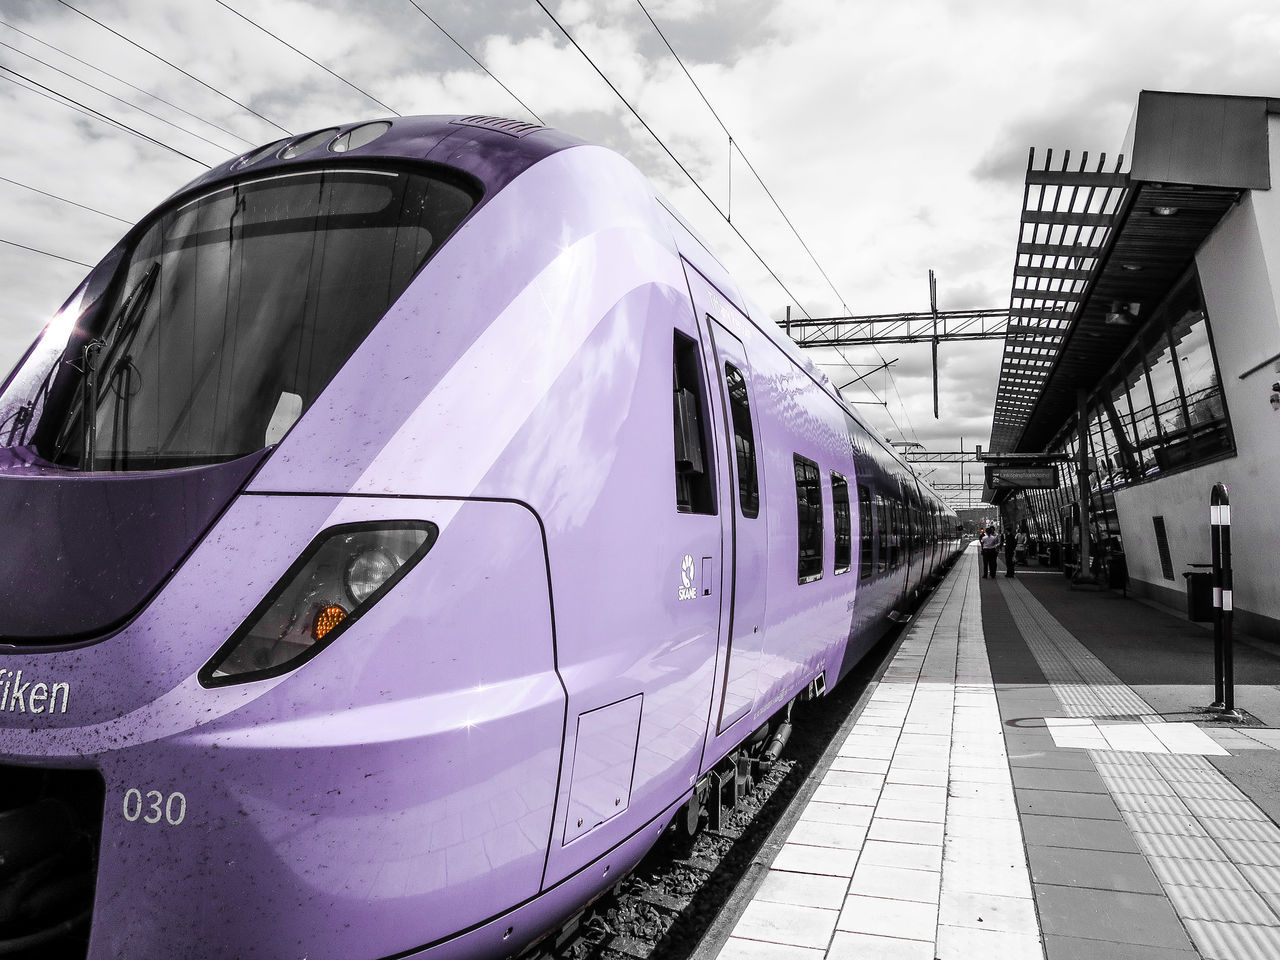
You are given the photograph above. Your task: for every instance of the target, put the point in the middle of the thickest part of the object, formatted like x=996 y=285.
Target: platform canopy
x=1101 y=244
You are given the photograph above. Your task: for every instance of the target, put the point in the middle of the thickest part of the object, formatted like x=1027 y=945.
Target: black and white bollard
x=1223 y=655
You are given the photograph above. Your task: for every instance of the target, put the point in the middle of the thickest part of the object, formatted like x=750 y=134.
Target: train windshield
x=227 y=318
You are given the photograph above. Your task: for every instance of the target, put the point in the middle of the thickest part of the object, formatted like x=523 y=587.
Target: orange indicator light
x=328 y=618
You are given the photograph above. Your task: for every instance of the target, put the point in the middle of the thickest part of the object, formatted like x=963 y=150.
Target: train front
x=251 y=703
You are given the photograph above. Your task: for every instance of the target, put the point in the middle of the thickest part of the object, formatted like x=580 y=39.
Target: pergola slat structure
x=1068 y=216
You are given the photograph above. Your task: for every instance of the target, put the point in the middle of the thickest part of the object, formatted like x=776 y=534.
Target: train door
x=745 y=555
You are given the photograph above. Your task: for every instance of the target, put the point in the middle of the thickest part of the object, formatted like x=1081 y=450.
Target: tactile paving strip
x=1216 y=854
x=1083 y=683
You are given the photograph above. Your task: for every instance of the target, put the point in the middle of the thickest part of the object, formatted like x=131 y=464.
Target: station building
x=1144 y=344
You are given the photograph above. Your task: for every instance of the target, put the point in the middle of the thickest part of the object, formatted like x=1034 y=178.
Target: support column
x=1082 y=479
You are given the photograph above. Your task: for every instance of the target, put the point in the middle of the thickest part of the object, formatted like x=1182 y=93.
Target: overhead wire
x=46 y=253
x=132 y=86
x=153 y=54
x=476 y=61
x=674 y=159
x=54 y=196
x=309 y=58
x=736 y=146
x=67 y=101
x=105 y=93
x=699 y=186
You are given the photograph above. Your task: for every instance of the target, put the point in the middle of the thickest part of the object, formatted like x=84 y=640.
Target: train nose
x=83 y=552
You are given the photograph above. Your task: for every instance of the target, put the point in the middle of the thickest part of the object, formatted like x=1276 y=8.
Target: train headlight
x=343 y=572
x=368 y=571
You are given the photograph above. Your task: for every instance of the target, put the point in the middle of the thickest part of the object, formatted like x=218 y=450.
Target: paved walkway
x=1048 y=812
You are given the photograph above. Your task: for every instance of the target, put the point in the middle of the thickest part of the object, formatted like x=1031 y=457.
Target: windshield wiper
x=118 y=337
x=89 y=400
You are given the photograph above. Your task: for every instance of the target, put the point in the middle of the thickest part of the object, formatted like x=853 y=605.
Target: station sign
x=1022 y=478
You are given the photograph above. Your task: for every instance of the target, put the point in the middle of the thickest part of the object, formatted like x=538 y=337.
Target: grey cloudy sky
x=894 y=135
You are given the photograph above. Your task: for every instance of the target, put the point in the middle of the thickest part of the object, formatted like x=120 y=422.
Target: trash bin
x=1199 y=595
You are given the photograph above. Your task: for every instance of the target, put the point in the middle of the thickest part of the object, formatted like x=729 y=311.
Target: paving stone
x=889 y=918
x=1102 y=870
x=905 y=831
x=803 y=889
x=1226 y=906
x=1184 y=848
x=1079 y=833
x=1072 y=781
x=966 y=943
x=1136 y=918
x=1060 y=803
x=1202 y=873
x=787 y=924
x=860 y=946
x=1235 y=941
x=988 y=912
x=1079 y=948
x=739 y=948
x=1053 y=759
x=818 y=833
x=913 y=856
x=895 y=883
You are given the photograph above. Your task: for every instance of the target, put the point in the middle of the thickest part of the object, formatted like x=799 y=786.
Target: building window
x=1162 y=548
x=809 y=519
x=1162 y=407
x=844 y=526
x=865 y=558
x=743 y=441
x=695 y=490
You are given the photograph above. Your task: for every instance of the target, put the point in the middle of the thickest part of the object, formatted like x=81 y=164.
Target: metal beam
x=940 y=456
x=899 y=328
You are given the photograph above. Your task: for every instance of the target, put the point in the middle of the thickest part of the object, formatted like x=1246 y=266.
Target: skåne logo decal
x=688 y=573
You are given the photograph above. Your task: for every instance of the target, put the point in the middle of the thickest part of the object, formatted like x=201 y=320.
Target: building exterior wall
x=1239 y=269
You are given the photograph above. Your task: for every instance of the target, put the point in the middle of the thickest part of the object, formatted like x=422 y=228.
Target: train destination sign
x=1022 y=478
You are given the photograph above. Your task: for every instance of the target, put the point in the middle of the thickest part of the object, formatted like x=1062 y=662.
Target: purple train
x=402 y=524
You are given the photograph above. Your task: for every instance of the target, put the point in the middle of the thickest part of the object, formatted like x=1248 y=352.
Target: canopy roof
x=1100 y=247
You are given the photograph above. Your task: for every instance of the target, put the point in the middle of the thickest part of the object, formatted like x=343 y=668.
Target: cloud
x=893 y=136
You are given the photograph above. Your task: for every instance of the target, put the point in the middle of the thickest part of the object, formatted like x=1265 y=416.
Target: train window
x=895 y=533
x=809 y=519
x=306 y=144
x=844 y=526
x=882 y=533
x=360 y=136
x=864 y=529
x=226 y=303
x=743 y=441
x=694 y=490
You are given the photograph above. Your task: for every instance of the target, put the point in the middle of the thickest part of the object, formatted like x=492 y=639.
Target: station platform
x=1033 y=776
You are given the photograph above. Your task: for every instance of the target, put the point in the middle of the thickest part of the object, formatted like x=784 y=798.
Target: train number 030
x=153 y=806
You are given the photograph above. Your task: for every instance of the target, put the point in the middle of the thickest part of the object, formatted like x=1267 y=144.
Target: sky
x=893 y=136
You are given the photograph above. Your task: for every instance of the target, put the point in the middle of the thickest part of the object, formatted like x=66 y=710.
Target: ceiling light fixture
x=1164 y=211
x=1122 y=314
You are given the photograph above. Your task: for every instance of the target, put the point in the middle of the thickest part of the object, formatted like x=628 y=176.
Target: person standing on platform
x=1010 y=545
x=990 y=544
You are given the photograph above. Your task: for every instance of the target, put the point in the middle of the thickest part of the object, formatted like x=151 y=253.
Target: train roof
x=491 y=150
